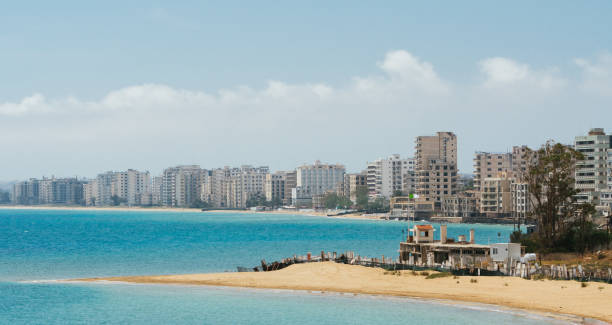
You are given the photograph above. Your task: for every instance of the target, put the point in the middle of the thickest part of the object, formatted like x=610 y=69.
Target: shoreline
x=165 y=209
x=557 y=297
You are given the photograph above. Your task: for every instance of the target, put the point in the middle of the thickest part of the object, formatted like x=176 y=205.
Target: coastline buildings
x=496 y=196
x=436 y=167
x=592 y=173
x=130 y=187
x=353 y=183
x=387 y=176
x=316 y=179
x=490 y=164
x=181 y=185
x=67 y=191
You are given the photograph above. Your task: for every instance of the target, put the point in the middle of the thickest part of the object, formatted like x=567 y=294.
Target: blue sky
x=114 y=85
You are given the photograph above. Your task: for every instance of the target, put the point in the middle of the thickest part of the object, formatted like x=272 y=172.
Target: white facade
x=502 y=252
x=181 y=185
x=129 y=186
x=317 y=179
x=591 y=173
x=388 y=175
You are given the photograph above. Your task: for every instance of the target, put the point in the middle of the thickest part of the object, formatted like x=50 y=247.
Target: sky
x=90 y=87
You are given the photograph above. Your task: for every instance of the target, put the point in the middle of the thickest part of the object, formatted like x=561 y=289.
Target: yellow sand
x=568 y=297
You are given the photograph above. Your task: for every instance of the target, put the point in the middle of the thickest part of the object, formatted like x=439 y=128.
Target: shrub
x=473 y=281
x=584 y=284
x=438 y=275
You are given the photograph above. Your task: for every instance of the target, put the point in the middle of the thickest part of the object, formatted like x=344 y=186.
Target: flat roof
x=449 y=245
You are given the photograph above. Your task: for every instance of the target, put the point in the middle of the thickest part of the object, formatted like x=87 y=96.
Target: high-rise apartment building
x=275 y=187
x=489 y=164
x=591 y=173
x=181 y=185
x=316 y=179
x=496 y=196
x=65 y=191
x=353 y=183
x=387 y=176
x=436 y=166
x=25 y=192
x=129 y=187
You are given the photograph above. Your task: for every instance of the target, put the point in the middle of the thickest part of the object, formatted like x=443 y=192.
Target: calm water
x=55 y=244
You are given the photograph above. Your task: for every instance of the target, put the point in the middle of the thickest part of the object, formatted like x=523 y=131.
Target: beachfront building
x=465 y=204
x=290 y=184
x=387 y=176
x=181 y=185
x=436 y=167
x=129 y=187
x=490 y=164
x=156 y=187
x=316 y=179
x=232 y=187
x=353 y=183
x=275 y=187
x=496 y=197
x=421 y=248
x=90 y=192
x=520 y=161
x=61 y=191
x=591 y=173
x=520 y=200
x=25 y=192
x=247 y=182
x=406 y=207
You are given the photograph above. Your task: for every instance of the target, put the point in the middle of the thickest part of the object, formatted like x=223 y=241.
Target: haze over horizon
x=88 y=89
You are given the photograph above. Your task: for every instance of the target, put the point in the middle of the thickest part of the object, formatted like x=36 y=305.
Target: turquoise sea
x=40 y=246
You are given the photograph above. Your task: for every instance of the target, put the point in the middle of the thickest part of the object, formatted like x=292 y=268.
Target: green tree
x=199 y=204
x=397 y=193
x=362 y=197
x=117 y=200
x=257 y=199
x=550 y=178
x=333 y=201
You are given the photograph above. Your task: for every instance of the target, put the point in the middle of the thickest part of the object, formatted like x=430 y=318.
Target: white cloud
x=33 y=104
x=152 y=126
x=404 y=68
x=597 y=76
x=504 y=72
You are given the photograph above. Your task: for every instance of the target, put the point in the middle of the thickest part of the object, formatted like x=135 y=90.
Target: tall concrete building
x=90 y=192
x=496 y=198
x=387 y=176
x=520 y=162
x=591 y=173
x=316 y=179
x=436 y=166
x=156 y=188
x=290 y=184
x=232 y=187
x=181 y=185
x=275 y=187
x=353 y=183
x=249 y=181
x=490 y=164
x=129 y=187
x=26 y=192
x=64 y=191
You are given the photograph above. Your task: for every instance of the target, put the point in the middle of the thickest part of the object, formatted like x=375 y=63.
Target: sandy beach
x=564 y=297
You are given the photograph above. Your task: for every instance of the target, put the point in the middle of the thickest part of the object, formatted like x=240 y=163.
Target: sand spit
x=564 y=297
